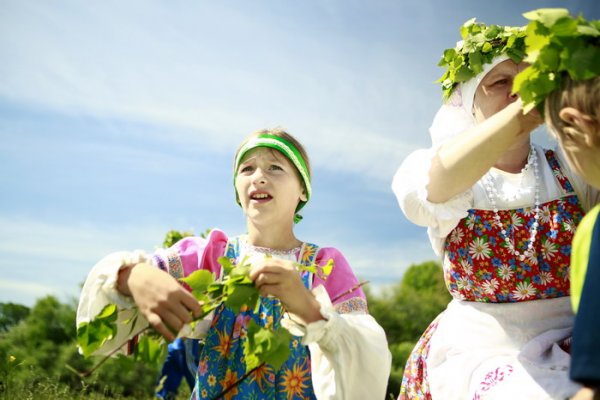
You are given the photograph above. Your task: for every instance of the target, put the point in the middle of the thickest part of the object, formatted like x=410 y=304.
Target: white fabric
x=410 y=187
x=473 y=339
x=354 y=341
x=456 y=115
x=99 y=290
x=342 y=348
x=468 y=88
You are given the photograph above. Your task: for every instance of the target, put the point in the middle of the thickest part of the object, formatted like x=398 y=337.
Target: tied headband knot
x=289 y=151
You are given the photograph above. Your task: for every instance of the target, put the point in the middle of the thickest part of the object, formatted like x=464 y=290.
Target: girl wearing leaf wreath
x=336 y=345
x=571 y=102
x=501 y=213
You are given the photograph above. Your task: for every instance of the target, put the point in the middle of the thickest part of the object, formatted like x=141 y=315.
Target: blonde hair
x=582 y=95
x=279 y=132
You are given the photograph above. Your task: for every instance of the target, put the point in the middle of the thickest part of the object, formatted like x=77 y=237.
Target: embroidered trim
x=355 y=304
x=267 y=250
x=160 y=263
x=174 y=263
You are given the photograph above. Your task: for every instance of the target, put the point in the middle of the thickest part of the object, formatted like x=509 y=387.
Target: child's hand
x=161 y=299
x=279 y=278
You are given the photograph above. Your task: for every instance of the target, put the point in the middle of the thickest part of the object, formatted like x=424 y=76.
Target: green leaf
x=547 y=16
x=226 y=264
x=463 y=74
x=199 y=281
x=584 y=63
x=93 y=334
x=565 y=27
x=266 y=345
x=150 y=350
x=242 y=295
x=476 y=61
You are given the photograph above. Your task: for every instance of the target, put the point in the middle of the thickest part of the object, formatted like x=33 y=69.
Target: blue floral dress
x=222 y=362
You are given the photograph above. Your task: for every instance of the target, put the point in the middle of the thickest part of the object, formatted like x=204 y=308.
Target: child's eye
x=500 y=82
x=276 y=167
x=247 y=168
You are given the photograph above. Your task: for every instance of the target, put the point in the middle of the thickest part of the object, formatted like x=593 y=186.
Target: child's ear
x=582 y=123
x=303 y=196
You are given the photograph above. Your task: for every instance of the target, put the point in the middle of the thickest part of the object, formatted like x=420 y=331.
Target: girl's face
x=494 y=91
x=268 y=186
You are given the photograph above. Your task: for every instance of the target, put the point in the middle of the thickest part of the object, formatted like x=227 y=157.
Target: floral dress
x=222 y=362
x=479 y=267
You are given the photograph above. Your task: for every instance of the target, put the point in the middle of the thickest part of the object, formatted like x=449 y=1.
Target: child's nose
x=259 y=176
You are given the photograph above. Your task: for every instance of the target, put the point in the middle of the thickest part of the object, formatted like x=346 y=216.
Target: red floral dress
x=479 y=266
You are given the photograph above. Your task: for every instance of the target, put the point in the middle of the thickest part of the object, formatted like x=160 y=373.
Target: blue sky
x=119 y=120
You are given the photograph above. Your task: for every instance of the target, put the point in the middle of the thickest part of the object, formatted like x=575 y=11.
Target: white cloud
x=212 y=91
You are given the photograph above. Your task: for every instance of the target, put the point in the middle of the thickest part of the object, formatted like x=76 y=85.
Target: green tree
x=11 y=314
x=406 y=309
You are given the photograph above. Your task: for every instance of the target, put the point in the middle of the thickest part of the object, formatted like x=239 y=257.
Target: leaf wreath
x=557 y=45
x=480 y=44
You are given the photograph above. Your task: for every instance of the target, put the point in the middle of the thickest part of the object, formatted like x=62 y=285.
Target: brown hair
x=279 y=132
x=582 y=95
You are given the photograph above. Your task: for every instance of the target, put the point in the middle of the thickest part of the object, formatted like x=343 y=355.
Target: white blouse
x=411 y=180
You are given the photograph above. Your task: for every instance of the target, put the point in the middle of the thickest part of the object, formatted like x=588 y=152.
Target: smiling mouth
x=260 y=197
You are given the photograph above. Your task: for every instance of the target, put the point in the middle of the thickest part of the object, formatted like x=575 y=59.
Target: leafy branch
x=557 y=45
x=264 y=345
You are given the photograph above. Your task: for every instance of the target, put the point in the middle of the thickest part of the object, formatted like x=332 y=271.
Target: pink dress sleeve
x=191 y=254
x=341 y=285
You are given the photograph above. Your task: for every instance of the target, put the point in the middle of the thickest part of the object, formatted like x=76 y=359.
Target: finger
x=269 y=269
x=157 y=323
x=192 y=304
x=270 y=290
x=173 y=320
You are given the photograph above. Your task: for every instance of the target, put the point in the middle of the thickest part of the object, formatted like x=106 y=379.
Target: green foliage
x=174 y=236
x=92 y=335
x=480 y=44
x=557 y=45
x=406 y=309
x=34 y=354
x=267 y=344
x=11 y=314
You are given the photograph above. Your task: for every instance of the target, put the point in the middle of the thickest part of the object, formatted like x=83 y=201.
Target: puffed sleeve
x=100 y=287
x=410 y=187
x=349 y=354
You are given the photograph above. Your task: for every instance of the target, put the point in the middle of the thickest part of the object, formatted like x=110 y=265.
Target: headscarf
x=289 y=151
x=456 y=114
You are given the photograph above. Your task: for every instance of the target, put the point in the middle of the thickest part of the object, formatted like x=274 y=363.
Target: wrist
x=124 y=277
x=312 y=312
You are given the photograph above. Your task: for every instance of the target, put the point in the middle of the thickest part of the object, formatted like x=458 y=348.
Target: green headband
x=287 y=149
x=557 y=44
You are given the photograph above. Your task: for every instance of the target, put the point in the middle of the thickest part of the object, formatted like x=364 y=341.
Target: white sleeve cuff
x=317 y=331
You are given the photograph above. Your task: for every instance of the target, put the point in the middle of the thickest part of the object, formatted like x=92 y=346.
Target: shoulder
x=325 y=254
x=342 y=284
x=192 y=253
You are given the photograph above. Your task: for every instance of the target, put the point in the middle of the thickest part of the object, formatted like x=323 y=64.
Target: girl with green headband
x=336 y=346
x=501 y=213
x=572 y=111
